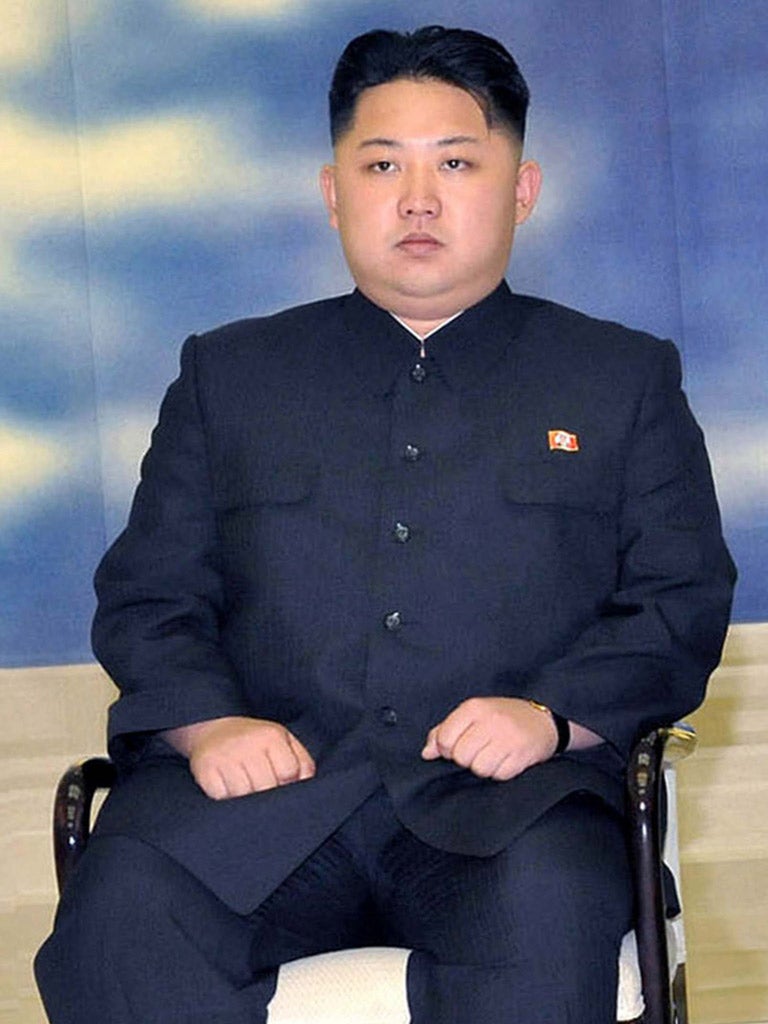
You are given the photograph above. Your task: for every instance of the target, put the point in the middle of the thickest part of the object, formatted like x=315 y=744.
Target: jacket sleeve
x=159 y=588
x=646 y=659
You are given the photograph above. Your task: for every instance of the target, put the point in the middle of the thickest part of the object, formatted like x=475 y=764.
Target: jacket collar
x=379 y=348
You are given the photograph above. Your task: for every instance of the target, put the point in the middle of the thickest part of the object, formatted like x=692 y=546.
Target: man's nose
x=419 y=198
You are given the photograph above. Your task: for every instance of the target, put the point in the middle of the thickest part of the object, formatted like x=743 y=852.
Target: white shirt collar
x=422 y=338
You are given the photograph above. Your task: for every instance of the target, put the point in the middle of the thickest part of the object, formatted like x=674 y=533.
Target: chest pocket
x=265 y=484
x=564 y=481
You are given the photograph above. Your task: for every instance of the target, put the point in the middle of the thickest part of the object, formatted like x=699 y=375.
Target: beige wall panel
x=723 y=819
x=51 y=717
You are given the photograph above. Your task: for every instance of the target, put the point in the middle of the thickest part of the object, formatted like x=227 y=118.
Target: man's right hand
x=236 y=756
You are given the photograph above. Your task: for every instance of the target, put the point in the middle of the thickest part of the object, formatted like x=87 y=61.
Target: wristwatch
x=562 y=725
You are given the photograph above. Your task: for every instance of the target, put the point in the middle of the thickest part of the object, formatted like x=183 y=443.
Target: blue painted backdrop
x=158 y=166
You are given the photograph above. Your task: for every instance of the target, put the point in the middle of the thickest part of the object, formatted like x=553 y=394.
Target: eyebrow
x=451 y=140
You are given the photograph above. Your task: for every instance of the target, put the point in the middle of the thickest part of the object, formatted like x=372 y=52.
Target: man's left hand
x=494 y=737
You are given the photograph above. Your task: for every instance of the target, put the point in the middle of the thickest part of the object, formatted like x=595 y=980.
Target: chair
x=367 y=986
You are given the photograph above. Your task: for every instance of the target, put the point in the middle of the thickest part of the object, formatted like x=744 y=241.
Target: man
x=407 y=574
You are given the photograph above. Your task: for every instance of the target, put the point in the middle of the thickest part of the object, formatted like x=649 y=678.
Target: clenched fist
x=493 y=737
x=236 y=756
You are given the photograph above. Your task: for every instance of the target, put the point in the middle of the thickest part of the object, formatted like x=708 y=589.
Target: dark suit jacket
x=261 y=568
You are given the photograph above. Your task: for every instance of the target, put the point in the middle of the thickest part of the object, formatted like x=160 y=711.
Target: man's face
x=426 y=199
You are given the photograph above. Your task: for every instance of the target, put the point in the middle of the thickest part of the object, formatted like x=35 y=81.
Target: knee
x=119 y=887
x=575 y=858
x=104 y=906
x=122 y=877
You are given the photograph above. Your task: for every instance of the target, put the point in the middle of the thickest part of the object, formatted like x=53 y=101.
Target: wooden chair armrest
x=72 y=811
x=645 y=788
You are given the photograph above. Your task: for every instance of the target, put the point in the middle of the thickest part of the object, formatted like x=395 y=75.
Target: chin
x=445 y=297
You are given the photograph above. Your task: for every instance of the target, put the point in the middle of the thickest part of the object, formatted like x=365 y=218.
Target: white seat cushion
x=353 y=986
x=367 y=986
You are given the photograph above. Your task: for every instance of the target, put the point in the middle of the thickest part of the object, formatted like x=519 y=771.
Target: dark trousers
x=531 y=935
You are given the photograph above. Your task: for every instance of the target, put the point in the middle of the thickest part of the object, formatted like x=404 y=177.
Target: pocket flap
x=562 y=481
x=283 y=483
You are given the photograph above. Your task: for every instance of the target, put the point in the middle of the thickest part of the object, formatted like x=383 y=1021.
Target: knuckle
x=273 y=731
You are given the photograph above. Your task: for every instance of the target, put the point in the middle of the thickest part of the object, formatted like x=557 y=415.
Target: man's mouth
x=419 y=243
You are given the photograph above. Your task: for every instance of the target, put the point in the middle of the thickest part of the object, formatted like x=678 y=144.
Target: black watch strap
x=562 y=725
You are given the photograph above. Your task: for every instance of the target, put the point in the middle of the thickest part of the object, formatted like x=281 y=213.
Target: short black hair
x=469 y=60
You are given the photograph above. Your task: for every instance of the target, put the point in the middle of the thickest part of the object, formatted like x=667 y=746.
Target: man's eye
x=382 y=166
x=455 y=163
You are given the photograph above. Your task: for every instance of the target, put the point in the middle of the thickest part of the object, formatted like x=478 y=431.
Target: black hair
x=461 y=57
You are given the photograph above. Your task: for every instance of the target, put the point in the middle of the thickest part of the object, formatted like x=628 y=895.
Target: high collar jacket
x=340 y=535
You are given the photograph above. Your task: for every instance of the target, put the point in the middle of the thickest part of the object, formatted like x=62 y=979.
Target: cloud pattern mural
x=158 y=166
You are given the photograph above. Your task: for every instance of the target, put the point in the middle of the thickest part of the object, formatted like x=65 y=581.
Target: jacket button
x=393 y=621
x=388 y=716
x=419 y=373
x=402 y=533
x=411 y=453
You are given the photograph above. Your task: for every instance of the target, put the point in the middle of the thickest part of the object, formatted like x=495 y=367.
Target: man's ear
x=328 y=188
x=527 y=190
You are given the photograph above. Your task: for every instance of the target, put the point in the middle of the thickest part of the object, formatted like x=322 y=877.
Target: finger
x=245 y=777
x=241 y=777
x=211 y=783
x=451 y=730
x=430 y=751
x=280 y=770
x=258 y=771
x=307 y=767
x=488 y=761
x=291 y=760
x=508 y=769
x=469 y=745
x=225 y=779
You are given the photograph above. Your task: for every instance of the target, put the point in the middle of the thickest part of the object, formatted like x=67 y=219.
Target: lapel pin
x=562 y=441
